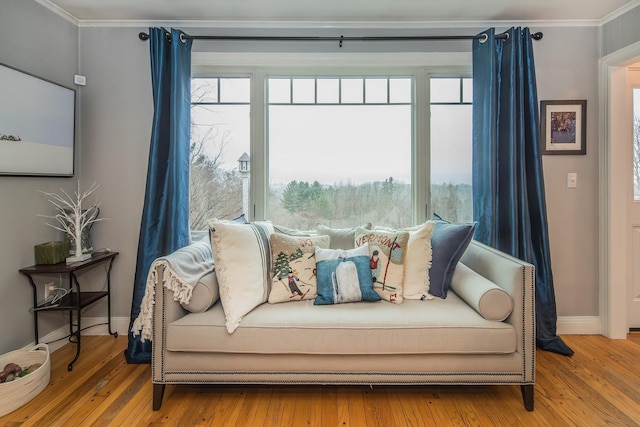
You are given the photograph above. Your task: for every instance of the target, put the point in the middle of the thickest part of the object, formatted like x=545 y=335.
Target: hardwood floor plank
x=599 y=385
x=379 y=409
x=276 y=410
x=343 y=407
x=357 y=413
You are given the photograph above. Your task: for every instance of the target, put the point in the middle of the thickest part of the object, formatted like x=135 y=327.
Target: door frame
x=615 y=242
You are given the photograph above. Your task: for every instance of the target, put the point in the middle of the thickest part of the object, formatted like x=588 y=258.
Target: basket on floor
x=16 y=393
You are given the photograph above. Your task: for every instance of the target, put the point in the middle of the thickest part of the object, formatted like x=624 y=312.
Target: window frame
x=260 y=67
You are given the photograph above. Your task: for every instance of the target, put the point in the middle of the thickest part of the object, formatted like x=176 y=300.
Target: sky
x=355 y=144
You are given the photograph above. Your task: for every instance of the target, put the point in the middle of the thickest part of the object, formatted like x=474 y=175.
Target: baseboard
x=579 y=325
x=95 y=326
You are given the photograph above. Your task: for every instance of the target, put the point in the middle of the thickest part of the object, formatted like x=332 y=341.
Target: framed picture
x=37 y=125
x=563 y=127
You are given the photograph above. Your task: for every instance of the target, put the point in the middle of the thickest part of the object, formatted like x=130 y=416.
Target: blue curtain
x=165 y=216
x=508 y=188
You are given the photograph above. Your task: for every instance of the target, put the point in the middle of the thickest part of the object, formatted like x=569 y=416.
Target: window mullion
x=259 y=147
x=421 y=155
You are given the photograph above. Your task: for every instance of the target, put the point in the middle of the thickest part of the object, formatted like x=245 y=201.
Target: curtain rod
x=535 y=36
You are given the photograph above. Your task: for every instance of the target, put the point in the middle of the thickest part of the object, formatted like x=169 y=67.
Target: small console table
x=75 y=300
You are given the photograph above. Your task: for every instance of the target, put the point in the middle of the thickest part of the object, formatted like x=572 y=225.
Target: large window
x=450 y=146
x=337 y=149
x=220 y=136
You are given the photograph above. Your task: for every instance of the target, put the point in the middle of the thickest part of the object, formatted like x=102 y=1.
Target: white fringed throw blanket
x=182 y=269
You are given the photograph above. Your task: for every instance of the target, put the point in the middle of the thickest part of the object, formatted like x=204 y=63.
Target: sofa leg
x=527 y=396
x=158 y=392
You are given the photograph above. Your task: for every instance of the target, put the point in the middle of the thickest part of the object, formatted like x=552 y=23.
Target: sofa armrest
x=517 y=278
x=165 y=311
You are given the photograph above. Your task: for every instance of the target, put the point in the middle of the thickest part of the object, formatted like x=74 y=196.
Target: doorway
x=634 y=199
x=619 y=232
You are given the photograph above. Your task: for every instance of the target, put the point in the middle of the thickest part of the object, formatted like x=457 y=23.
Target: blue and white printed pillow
x=344 y=276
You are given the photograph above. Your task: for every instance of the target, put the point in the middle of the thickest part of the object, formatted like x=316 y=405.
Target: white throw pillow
x=417 y=261
x=242 y=259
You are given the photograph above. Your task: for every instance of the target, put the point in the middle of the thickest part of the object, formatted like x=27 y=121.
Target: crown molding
x=59 y=11
x=617 y=13
x=391 y=25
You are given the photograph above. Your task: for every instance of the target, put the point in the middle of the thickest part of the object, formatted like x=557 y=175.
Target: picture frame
x=37 y=125
x=563 y=127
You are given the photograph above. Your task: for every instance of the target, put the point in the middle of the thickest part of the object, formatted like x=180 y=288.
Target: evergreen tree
x=296 y=255
x=281 y=266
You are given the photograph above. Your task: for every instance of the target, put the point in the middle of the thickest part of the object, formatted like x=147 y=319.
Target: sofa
x=462 y=339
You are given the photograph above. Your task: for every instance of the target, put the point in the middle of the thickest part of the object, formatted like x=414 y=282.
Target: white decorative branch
x=71 y=218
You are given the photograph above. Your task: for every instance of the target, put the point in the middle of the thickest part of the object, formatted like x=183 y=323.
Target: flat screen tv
x=37 y=125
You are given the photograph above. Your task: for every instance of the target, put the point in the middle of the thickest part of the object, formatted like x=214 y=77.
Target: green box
x=51 y=252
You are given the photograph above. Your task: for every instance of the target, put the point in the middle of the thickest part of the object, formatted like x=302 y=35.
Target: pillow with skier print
x=293 y=267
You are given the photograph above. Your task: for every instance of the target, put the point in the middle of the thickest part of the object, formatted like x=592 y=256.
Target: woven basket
x=16 y=393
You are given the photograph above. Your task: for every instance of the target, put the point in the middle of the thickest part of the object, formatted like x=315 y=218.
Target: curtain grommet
x=183 y=39
x=484 y=37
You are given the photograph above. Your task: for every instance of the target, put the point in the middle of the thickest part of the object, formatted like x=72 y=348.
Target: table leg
x=78 y=332
x=115 y=334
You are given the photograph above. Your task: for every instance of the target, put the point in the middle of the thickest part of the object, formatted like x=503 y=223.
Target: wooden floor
x=599 y=385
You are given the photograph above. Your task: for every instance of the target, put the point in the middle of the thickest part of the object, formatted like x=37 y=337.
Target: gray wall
x=118 y=113
x=621 y=32
x=117 y=116
x=37 y=41
x=566 y=74
x=115 y=127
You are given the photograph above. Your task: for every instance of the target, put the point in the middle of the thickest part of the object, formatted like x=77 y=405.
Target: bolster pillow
x=205 y=293
x=487 y=298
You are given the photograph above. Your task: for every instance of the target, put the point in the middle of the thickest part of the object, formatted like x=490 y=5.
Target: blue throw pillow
x=448 y=243
x=344 y=276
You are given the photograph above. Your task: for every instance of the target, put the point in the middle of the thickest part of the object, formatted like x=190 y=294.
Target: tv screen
x=37 y=125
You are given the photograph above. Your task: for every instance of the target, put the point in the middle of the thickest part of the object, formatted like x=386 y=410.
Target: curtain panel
x=508 y=184
x=165 y=216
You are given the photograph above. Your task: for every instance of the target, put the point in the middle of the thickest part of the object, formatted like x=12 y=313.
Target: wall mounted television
x=37 y=125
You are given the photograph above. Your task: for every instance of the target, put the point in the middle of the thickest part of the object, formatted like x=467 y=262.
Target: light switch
x=572 y=180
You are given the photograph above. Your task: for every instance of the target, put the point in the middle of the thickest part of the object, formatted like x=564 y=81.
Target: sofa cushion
x=242 y=257
x=487 y=298
x=204 y=294
x=387 y=251
x=447 y=327
x=344 y=276
x=448 y=243
x=293 y=267
x=293 y=231
x=341 y=238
